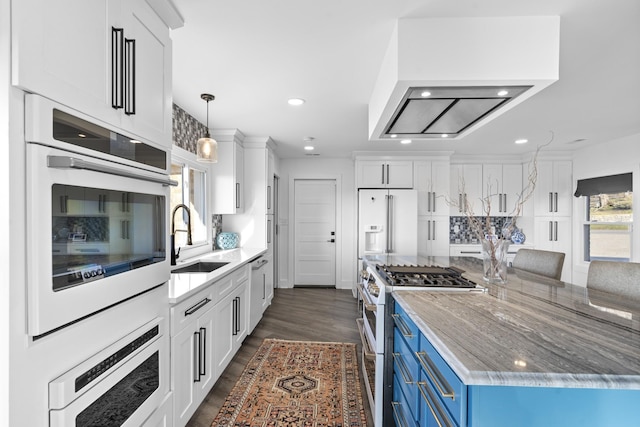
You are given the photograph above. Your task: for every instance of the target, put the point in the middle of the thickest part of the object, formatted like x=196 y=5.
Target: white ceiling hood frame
x=465 y=52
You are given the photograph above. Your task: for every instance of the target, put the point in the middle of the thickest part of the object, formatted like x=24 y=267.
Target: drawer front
x=190 y=309
x=444 y=382
x=433 y=412
x=406 y=368
x=403 y=413
x=407 y=328
x=225 y=285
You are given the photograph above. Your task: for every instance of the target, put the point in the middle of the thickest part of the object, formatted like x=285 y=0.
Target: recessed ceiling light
x=405 y=141
x=425 y=93
x=503 y=93
x=296 y=101
x=393 y=135
x=521 y=141
x=444 y=135
x=135 y=141
x=309 y=147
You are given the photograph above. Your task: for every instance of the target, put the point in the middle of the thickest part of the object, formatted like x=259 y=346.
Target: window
x=191 y=191
x=609 y=217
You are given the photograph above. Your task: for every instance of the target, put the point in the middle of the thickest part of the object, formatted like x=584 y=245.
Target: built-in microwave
x=97 y=204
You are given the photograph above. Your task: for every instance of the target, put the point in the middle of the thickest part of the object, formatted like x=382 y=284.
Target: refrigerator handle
x=389 y=226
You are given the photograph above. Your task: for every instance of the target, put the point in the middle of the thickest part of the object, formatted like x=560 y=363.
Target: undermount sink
x=200 y=267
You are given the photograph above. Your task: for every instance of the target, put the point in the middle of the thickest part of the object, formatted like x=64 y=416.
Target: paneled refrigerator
x=387 y=222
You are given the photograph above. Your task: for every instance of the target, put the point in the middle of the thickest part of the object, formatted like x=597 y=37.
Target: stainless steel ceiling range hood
x=445 y=77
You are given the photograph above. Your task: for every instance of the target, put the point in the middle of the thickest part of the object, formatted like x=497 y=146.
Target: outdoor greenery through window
x=191 y=191
x=607 y=230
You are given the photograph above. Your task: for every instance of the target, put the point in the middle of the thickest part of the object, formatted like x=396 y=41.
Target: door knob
x=331 y=240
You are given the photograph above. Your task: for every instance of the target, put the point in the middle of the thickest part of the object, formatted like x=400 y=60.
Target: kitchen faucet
x=175 y=255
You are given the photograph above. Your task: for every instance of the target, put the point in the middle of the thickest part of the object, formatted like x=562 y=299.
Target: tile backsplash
x=460 y=232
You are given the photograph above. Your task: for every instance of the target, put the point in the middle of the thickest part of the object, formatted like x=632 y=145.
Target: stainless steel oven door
x=96 y=235
x=122 y=385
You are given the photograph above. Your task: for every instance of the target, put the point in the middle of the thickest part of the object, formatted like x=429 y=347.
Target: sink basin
x=200 y=267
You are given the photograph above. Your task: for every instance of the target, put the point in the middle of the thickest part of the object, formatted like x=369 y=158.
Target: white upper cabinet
x=227 y=176
x=110 y=59
x=502 y=187
x=431 y=179
x=466 y=189
x=270 y=181
x=554 y=188
x=384 y=174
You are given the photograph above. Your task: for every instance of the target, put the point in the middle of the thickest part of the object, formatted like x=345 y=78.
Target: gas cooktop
x=424 y=276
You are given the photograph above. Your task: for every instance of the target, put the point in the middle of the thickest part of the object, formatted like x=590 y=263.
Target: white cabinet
x=270 y=182
x=554 y=234
x=110 y=59
x=384 y=174
x=227 y=176
x=466 y=189
x=192 y=363
x=554 y=188
x=207 y=329
x=232 y=324
x=431 y=179
x=433 y=235
x=502 y=187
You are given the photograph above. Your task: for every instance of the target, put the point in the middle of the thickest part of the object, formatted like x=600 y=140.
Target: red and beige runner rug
x=297 y=384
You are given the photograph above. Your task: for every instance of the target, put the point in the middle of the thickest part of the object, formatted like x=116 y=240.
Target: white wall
x=342 y=170
x=609 y=158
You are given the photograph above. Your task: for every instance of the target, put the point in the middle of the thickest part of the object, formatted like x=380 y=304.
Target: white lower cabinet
x=433 y=235
x=207 y=329
x=163 y=415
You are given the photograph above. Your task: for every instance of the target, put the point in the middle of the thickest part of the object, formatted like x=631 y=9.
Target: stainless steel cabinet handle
x=433 y=206
x=66 y=162
x=433 y=235
x=429 y=201
x=402 y=326
x=550 y=231
x=269 y=231
x=505 y=202
x=237 y=195
x=398 y=415
x=436 y=377
x=439 y=414
x=555 y=231
x=387 y=173
x=429 y=230
x=404 y=371
x=550 y=202
x=389 y=227
x=382 y=181
x=499 y=202
x=459 y=202
x=268 y=197
x=555 y=202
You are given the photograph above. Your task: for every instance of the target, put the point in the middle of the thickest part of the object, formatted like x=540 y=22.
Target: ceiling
x=254 y=55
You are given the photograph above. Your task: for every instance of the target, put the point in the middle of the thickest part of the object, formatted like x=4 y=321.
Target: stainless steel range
x=376 y=325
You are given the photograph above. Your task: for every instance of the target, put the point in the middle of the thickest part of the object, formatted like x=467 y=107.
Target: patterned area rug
x=297 y=384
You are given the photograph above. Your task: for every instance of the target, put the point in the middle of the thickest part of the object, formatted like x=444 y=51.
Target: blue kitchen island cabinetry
x=528 y=353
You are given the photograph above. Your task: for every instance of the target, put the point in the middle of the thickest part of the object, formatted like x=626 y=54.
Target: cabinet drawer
x=431 y=408
x=225 y=285
x=407 y=328
x=190 y=309
x=406 y=368
x=403 y=413
x=444 y=383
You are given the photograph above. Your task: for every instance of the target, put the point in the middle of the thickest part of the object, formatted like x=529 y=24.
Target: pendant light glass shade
x=207 y=148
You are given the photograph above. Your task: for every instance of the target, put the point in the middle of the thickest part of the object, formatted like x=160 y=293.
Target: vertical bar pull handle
x=117 y=67
x=196 y=357
x=550 y=231
x=429 y=230
x=268 y=197
x=130 y=80
x=429 y=201
x=237 y=195
x=382 y=182
x=387 y=173
x=433 y=234
x=555 y=202
x=202 y=366
x=390 y=226
x=555 y=231
x=459 y=202
x=550 y=202
x=433 y=206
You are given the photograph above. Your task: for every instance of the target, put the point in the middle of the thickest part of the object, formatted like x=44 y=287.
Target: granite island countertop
x=532 y=331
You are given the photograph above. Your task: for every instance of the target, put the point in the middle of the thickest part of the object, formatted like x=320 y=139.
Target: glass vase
x=494 y=259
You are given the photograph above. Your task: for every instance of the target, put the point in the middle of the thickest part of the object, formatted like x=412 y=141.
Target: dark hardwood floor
x=306 y=314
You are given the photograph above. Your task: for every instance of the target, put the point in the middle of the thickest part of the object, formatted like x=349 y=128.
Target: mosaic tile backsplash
x=186 y=129
x=460 y=232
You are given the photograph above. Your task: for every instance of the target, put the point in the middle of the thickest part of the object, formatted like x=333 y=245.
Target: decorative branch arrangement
x=495 y=245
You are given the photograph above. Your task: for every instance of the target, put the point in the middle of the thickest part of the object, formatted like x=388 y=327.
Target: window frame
x=188 y=161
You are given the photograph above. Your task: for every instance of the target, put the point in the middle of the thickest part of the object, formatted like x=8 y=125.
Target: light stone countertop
x=532 y=331
x=182 y=286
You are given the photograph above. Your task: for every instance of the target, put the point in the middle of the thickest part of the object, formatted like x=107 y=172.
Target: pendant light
x=207 y=147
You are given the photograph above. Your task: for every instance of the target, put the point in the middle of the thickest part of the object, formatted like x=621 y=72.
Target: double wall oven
x=380 y=276
x=97 y=204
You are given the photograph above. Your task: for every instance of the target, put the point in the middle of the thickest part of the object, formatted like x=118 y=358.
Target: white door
x=314 y=232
